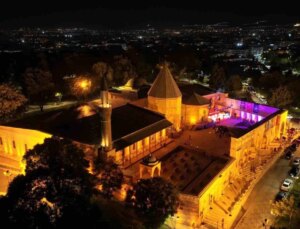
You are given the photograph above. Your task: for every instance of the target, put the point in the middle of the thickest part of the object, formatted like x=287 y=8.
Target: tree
x=284 y=208
x=101 y=69
x=281 y=97
x=39 y=86
x=123 y=70
x=81 y=87
x=154 y=199
x=218 y=77
x=56 y=190
x=12 y=101
x=109 y=174
x=234 y=83
x=271 y=80
x=293 y=87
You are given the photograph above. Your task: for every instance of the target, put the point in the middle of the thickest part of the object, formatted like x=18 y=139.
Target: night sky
x=138 y=13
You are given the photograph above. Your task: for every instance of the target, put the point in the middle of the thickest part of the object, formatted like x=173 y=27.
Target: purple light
x=248 y=116
x=242 y=114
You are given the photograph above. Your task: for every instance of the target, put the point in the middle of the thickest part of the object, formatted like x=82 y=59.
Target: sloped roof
x=187 y=88
x=164 y=85
x=129 y=124
x=194 y=99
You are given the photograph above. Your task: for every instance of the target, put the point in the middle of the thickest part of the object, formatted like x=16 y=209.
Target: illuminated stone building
x=165 y=97
x=130 y=133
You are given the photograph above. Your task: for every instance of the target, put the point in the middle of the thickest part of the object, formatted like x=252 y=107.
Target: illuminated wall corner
x=170 y=107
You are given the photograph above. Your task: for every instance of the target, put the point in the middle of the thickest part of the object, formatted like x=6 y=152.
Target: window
x=14 y=144
x=1 y=142
x=152 y=137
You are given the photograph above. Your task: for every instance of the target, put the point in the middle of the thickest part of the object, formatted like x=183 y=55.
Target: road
x=256 y=99
x=259 y=203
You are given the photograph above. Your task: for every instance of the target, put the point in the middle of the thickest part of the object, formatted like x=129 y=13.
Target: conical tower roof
x=164 y=85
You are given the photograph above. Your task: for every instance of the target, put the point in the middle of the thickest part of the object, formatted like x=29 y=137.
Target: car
x=291 y=148
x=281 y=195
x=296 y=161
x=296 y=142
x=287 y=185
x=294 y=172
x=289 y=155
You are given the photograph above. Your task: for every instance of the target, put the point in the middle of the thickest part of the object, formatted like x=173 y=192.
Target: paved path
x=258 y=205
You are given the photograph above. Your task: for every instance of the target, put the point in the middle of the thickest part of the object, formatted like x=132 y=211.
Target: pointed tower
x=165 y=97
x=105 y=110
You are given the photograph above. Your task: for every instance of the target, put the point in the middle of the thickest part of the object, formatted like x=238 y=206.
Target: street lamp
x=82 y=87
x=84 y=84
x=58 y=96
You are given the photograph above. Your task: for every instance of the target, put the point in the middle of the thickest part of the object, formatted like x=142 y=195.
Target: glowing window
x=242 y=114
x=152 y=137
x=248 y=116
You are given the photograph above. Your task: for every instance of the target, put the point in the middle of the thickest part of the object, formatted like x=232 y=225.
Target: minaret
x=105 y=110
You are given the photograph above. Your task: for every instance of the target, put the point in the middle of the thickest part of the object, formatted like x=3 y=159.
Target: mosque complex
x=201 y=140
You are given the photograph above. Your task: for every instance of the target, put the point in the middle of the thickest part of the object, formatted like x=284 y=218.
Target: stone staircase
x=216 y=217
x=219 y=215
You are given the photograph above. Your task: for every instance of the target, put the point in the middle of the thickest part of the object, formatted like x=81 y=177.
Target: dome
x=150 y=160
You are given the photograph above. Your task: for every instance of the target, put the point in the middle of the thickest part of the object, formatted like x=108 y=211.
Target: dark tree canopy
x=123 y=70
x=218 y=77
x=234 y=83
x=56 y=190
x=39 y=86
x=281 y=97
x=154 y=199
x=271 y=80
x=100 y=70
x=12 y=101
x=109 y=174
